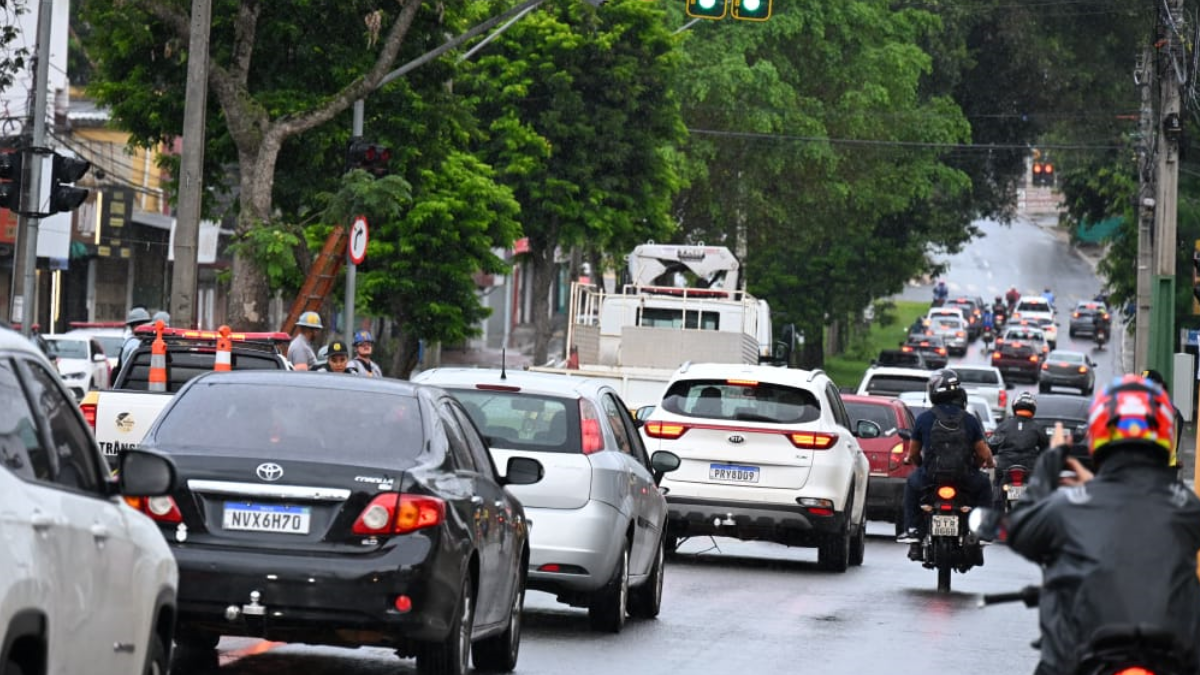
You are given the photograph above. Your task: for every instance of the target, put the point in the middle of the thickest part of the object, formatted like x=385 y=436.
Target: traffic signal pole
x=27 y=226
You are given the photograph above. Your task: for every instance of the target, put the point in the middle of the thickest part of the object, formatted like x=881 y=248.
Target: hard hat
x=310 y=320
x=137 y=316
x=361 y=336
x=162 y=316
x=337 y=347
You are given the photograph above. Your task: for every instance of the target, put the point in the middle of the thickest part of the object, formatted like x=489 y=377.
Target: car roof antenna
x=503 y=365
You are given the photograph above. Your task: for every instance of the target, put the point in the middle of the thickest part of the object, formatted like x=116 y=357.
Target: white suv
x=87 y=584
x=767 y=453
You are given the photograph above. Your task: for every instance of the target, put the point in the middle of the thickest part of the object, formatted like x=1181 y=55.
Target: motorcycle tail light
x=1134 y=670
x=946 y=492
x=1016 y=477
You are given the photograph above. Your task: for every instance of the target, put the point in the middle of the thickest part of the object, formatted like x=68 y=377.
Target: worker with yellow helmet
x=300 y=351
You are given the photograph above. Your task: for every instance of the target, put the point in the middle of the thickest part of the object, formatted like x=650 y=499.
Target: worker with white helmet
x=300 y=351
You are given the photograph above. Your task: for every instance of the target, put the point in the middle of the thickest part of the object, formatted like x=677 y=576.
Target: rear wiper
x=753 y=417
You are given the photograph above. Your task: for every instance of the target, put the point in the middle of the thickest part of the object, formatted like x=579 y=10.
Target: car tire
x=1071 y=333
x=671 y=545
x=452 y=655
x=194 y=653
x=606 y=612
x=858 y=545
x=498 y=653
x=645 y=601
x=1043 y=388
x=157 y=662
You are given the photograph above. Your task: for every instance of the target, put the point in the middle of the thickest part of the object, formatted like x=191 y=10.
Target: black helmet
x=944 y=387
x=338 y=347
x=1025 y=401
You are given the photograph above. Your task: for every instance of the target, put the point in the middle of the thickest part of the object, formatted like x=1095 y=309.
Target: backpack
x=949 y=452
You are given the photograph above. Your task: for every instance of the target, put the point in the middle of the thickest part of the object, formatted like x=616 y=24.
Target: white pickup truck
x=121 y=416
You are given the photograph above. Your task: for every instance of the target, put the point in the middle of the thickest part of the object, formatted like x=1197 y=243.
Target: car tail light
x=1016 y=476
x=589 y=427
x=812 y=440
x=906 y=348
x=959 y=334
x=1075 y=315
x=946 y=492
x=161 y=509
x=667 y=430
x=1003 y=399
x=743 y=383
x=89 y=414
x=941 y=351
x=395 y=513
x=1083 y=369
x=996 y=356
x=1034 y=358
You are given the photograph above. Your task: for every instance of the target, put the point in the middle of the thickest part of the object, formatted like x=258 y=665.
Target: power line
x=747 y=135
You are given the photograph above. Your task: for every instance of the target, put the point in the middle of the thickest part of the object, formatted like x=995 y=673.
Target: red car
x=885 y=486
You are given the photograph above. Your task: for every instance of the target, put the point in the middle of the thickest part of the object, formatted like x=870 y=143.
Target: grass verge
x=888 y=330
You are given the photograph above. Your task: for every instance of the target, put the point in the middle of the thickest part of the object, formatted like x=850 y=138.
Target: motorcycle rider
x=999 y=311
x=940 y=293
x=949 y=402
x=1101 y=324
x=1016 y=441
x=1119 y=546
x=1013 y=295
x=1049 y=296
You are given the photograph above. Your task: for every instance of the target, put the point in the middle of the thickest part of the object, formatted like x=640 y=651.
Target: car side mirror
x=643 y=413
x=867 y=429
x=146 y=474
x=663 y=462
x=906 y=434
x=523 y=471
x=99 y=358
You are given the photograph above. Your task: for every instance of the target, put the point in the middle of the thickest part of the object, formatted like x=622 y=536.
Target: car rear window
x=69 y=349
x=879 y=414
x=890 y=385
x=900 y=359
x=295 y=422
x=182 y=366
x=978 y=376
x=742 y=401
x=111 y=344
x=521 y=421
x=1033 y=306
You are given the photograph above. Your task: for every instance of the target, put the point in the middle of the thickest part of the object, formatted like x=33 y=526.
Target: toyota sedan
x=341 y=511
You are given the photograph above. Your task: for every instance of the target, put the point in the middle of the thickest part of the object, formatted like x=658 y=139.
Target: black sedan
x=1071 y=410
x=346 y=511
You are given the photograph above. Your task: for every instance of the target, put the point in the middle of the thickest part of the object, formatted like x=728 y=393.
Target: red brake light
x=1134 y=670
x=589 y=426
x=941 y=351
x=946 y=492
x=1016 y=476
x=1034 y=358
x=395 y=513
x=89 y=414
x=995 y=356
x=1003 y=399
x=667 y=430
x=160 y=509
x=812 y=440
x=743 y=383
x=906 y=348
x=1083 y=369
x=1045 y=366
x=497 y=387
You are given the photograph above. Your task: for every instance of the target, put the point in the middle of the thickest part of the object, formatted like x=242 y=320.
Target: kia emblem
x=269 y=472
x=736 y=438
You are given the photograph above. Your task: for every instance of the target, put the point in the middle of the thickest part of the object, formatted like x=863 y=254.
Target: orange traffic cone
x=224 y=360
x=158 y=359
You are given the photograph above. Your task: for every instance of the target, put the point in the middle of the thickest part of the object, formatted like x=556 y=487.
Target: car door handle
x=99 y=532
x=41 y=522
x=477 y=500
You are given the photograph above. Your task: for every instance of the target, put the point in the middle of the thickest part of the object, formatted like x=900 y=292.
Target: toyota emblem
x=269 y=472
x=737 y=438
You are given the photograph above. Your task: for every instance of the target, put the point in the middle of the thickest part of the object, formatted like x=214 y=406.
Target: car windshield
x=879 y=414
x=742 y=400
x=69 y=349
x=296 y=422
x=518 y=421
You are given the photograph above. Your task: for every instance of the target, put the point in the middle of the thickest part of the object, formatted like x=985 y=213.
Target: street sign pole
x=356 y=252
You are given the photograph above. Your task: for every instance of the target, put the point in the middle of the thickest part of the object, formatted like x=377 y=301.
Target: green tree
x=582 y=125
x=811 y=137
x=13 y=60
x=424 y=249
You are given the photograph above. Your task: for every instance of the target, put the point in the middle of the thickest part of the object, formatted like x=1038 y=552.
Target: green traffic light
x=752 y=10
x=707 y=9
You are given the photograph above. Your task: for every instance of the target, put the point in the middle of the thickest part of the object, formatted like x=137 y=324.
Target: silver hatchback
x=597 y=517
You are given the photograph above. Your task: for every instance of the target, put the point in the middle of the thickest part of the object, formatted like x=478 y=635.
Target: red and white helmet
x=1132 y=411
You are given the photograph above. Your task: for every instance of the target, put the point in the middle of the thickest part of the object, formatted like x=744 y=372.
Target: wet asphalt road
x=752 y=608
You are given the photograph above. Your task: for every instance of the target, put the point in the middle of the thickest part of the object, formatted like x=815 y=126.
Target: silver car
x=596 y=538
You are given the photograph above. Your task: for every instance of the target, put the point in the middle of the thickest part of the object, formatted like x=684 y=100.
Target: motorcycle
x=1118 y=649
x=1013 y=485
x=988 y=338
x=1101 y=338
x=948 y=543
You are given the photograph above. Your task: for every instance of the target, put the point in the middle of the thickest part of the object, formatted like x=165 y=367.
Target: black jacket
x=1119 y=549
x=1017 y=440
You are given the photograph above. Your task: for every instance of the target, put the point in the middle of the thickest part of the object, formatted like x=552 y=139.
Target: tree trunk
x=543 y=279
x=249 y=292
x=405 y=360
x=813 y=354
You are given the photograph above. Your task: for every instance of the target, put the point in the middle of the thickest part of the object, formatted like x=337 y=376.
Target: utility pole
x=1144 y=79
x=191 y=184
x=27 y=226
x=1172 y=64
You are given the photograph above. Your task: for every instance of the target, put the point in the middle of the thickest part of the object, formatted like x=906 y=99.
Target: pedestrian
x=300 y=351
x=337 y=357
x=137 y=316
x=361 y=364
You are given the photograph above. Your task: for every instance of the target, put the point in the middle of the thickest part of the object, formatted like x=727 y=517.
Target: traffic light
x=11 y=180
x=64 y=196
x=707 y=9
x=752 y=10
x=370 y=157
x=1043 y=174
